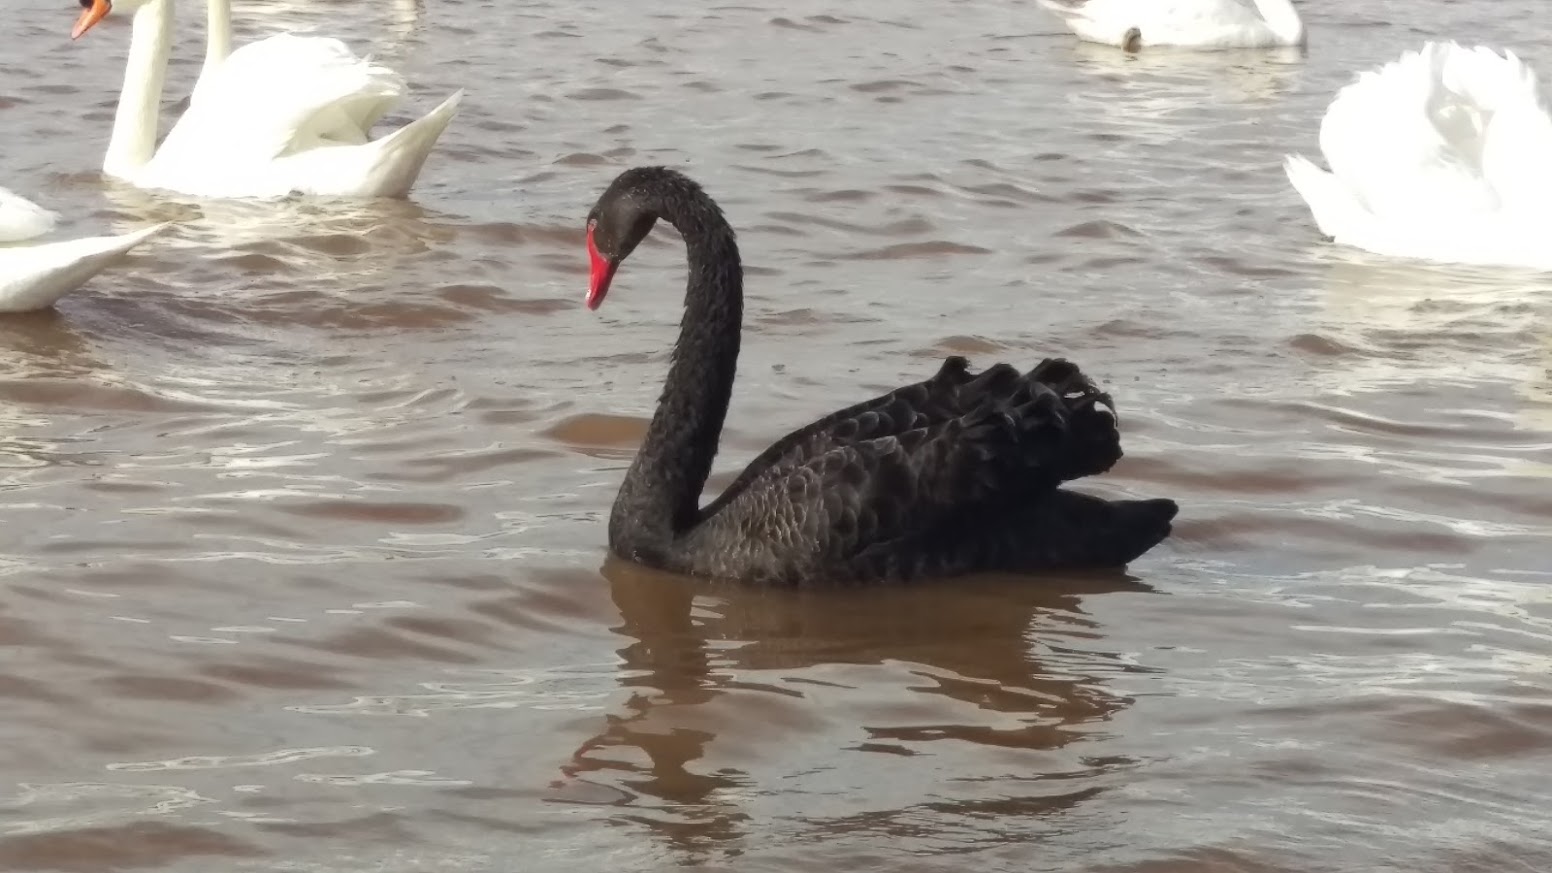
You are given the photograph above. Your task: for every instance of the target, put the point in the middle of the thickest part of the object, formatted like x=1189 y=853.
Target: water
x=303 y=506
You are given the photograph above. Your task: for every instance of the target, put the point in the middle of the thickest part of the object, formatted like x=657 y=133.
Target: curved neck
x=134 y=124
x=660 y=497
x=1283 y=20
x=218 y=38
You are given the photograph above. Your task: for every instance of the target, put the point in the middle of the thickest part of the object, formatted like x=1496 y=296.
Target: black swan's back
x=959 y=473
x=954 y=475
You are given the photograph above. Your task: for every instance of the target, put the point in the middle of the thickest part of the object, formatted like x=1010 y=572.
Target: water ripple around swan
x=302 y=560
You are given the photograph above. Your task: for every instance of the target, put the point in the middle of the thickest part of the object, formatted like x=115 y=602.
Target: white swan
x=1132 y=24
x=287 y=114
x=1443 y=155
x=35 y=276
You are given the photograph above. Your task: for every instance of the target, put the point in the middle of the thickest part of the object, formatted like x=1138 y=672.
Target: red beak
x=602 y=274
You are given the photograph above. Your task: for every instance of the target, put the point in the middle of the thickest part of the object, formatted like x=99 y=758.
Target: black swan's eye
x=86 y=4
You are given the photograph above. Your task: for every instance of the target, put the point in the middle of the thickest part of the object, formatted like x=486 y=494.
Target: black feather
x=952 y=475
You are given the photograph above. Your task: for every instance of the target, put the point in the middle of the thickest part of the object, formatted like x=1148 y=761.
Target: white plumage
x=21 y=219
x=1187 y=23
x=287 y=114
x=35 y=275
x=1444 y=155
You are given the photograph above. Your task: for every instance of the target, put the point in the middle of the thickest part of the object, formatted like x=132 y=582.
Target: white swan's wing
x=204 y=160
x=1442 y=132
x=1515 y=149
x=284 y=95
x=1338 y=213
x=291 y=114
x=386 y=167
x=21 y=219
x=1406 y=145
x=1444 y=154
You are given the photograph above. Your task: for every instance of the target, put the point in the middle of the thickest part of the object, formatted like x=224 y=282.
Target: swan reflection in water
x=1446 y=373
x=1153 y=85
x=340 y=243
x=1409 y=323
x=732 y=686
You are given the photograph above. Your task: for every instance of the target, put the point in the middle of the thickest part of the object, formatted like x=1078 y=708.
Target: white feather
x=36 y=275
x=1444 y=155
x=21 y=219
x=1187 y=23
x=287 y=114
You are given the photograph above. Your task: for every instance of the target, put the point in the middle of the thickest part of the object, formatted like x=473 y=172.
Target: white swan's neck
x=218 y=42
x=133 y=142
x=218 y=34
x=1283 y=20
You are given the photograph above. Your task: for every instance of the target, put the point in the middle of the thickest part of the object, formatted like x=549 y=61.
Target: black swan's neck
x=660 y=498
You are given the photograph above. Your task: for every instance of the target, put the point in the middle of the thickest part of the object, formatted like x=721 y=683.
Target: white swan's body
x=1132 y=24
x=288 y=114
x=21 y=219
x=1444 y=155
x=35 y=275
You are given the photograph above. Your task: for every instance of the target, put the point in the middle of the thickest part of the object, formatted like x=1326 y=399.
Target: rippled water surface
x=302 y=542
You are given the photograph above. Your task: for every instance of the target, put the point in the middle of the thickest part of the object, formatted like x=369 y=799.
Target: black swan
x=954 y=475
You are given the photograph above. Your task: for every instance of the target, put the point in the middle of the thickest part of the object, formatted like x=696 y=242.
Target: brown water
x=302 y=542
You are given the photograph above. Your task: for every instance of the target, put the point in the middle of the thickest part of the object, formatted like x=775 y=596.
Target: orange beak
x=90 y=16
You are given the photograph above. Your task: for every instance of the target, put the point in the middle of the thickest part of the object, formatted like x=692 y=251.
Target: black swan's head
x=621 y=219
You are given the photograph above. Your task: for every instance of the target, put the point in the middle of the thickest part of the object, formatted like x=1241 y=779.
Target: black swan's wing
x=841 y=493
x=949 y=394
x=918 y=405
x=1056 y=530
